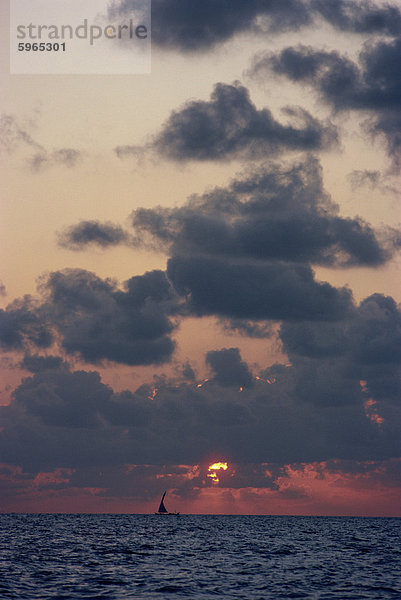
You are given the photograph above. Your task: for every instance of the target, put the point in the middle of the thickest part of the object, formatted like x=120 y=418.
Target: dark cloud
x=200 y=25
x=376 y=471
x=331 y=361
x=278 y=212
x=98 y=321
x=84 y=233
x=372 y=85
x=230 y=126
x=388 y=126
x=24 y=324
x=241 y=253
x=378 y=328
x=360 y=16
x=73 y=420
x=3 y=291
x=244 y=253
x=95 y=319
x=60 y=398
x=255 y=291
x=36 y=363
x=337 y=402
x=229 y=369
x=188 y=372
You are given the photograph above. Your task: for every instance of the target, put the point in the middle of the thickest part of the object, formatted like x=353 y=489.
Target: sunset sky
x=202 y=265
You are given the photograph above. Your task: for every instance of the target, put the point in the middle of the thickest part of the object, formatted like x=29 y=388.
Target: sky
x=201 y=265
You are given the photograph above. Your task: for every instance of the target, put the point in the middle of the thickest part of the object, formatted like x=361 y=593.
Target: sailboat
x=163 y=510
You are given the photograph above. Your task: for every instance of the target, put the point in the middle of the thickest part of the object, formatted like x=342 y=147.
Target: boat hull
x=167 y=513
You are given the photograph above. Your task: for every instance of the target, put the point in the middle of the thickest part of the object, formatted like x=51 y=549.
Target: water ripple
x=119 y=557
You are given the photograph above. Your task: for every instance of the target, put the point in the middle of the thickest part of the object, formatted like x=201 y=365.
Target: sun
x=214 y=468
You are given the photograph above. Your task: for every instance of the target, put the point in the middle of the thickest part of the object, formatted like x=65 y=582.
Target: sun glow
x=214 y=468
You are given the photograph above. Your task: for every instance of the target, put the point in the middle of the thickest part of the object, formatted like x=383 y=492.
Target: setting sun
x=216 y=467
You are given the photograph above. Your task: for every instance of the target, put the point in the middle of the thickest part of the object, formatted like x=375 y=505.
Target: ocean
x=79 y=557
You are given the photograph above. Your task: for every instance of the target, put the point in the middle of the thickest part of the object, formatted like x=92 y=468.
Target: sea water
x=79 y=557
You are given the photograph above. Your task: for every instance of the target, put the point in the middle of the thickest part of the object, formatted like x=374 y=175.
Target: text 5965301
x=41 y=47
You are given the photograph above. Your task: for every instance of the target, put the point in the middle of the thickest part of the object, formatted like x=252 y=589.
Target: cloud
x=229 y=369
x=138 y=152
x=255 y=291
x=3 y=290
x=77 y=237
x=247 y=328
x=200 y=25
x=360 y=16
x=94 y=319
x=331 y=361
x=16 y=134
x=276 y=213
x=371 y=85
x=188 y=372
x=66 y=157
x=98 y=321
x=230 y=126
x=336 y=404
x=23 y=324
x=75 y=421
x=36 y=363
x=366 y=177
x=243 y=254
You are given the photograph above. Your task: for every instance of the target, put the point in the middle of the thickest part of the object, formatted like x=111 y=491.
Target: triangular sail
x=162 y=508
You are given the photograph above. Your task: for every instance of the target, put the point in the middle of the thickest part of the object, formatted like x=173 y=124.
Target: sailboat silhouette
x=163 y=510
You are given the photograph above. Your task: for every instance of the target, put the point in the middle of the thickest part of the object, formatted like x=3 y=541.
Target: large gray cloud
x=23 y=324
x=336 y=402
x=99 y=321
x=241 y=253
x=95 y=319
x=75 y=421
x=230 y=126
x=202 y=24
x=276 y=213
x=276 y=291
x=245 y=251
x=372 y=85
x=330 y=361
